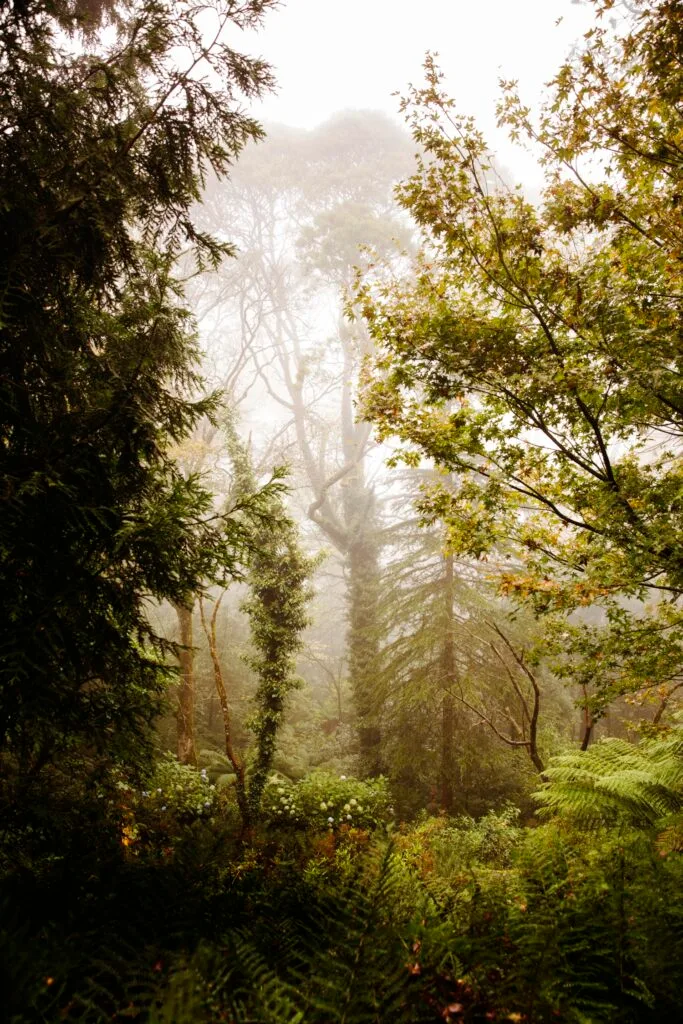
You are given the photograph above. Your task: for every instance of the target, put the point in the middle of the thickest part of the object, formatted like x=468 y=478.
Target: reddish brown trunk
x=233 y=758
x=187 y=752
x=588 y=724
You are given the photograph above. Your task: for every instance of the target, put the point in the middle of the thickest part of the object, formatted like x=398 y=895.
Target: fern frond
x=642 y=783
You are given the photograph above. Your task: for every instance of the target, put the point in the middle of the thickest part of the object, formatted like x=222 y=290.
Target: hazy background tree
x=299 y=223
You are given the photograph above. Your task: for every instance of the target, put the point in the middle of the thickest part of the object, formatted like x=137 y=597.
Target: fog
x=341 y=550
x=329 y=57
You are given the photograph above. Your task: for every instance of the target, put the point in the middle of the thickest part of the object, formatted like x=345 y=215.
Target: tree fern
x=642 y=783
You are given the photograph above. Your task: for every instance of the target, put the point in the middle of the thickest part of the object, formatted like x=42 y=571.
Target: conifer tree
x=105 y=141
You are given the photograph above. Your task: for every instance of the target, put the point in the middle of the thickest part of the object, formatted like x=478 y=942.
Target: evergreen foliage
x=642 y=783
x=103 y=148
x=159 y=904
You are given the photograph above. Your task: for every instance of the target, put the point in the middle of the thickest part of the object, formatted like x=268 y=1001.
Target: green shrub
x=177 y=796
x=322 y=802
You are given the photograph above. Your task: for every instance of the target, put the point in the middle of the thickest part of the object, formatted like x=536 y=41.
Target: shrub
x=322 y=802
x=177 y=796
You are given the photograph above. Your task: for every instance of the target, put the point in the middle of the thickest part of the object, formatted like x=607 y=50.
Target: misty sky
x=336 y=54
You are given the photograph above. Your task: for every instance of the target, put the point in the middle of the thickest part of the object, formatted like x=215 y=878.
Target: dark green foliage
x=103 y=150
x=457 y=921
x=120 y=905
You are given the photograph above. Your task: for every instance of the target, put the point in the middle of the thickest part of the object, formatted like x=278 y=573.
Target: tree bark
x=235 y=760
x=187 y=752
x=588 y=723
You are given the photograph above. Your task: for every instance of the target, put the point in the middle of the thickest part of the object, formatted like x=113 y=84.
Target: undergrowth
x=577 y=920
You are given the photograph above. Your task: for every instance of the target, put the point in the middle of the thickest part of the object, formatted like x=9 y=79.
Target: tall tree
x=103 y=148
x=277 y=573
x=457 y=678
x=301 y=220
x=535 y=352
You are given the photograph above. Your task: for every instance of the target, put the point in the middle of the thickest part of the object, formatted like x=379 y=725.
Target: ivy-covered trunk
x=363 y=642
x=278 y=578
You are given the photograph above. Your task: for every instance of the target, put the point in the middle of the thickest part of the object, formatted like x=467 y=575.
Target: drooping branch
x=533 y=723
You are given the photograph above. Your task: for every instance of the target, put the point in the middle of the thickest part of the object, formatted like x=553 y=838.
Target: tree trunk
x=187 y=752
x=363 y=640
x=587 y=723
x=236 y=762
x=448 y=714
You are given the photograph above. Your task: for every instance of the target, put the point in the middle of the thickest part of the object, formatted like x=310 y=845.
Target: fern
x=359 y=973
x=346 y=951
x=641 y=783
x=231 y=982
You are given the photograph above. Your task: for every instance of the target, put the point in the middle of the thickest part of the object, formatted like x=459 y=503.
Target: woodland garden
x=341 y=544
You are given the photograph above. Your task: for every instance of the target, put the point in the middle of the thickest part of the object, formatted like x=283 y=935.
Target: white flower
x=347 y=807
x=212 y=787
x=343 y=778
x=207 y=803
x=158 y=791
x=331 y=821
x=359 y=808
x=164 y=807
x=348 y=817
x=292 y=810
x=279 y=812
x=280 y=790
x=283 y=799
x=353 y=801
x=323 y=806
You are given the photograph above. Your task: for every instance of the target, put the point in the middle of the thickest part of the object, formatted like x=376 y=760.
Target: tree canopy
x=535 y=351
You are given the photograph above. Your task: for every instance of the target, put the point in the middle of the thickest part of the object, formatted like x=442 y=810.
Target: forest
x=341 y=534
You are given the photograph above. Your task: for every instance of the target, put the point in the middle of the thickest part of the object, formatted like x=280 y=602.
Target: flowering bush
x=177 y=796
x=324 y=802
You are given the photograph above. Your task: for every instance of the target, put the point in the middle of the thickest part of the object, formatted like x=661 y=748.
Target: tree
x=535 y=352
x=103 y=150
x=459 y=681
x=277 y=575
x=301 y=222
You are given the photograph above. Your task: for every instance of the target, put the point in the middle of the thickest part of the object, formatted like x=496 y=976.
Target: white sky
x=335 y=54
